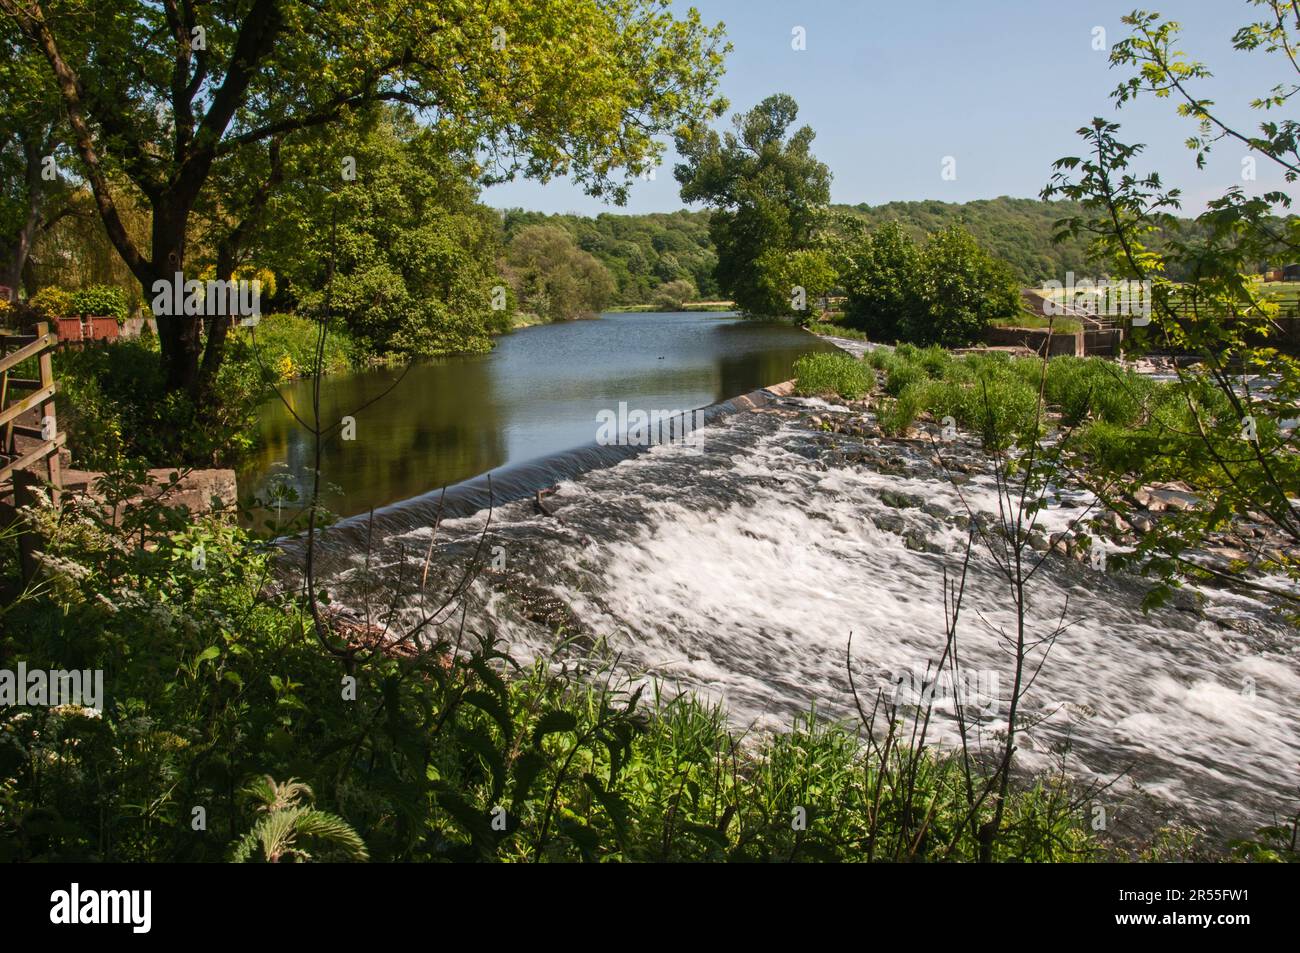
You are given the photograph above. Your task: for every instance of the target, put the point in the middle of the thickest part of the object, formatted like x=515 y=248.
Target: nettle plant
x=1232 y=444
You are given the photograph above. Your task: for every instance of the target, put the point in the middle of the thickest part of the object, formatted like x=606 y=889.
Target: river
x=740 y=567
x=536 y=394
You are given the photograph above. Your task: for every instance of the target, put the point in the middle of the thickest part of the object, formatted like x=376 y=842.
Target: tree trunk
x=218 y=326
x=178 y=334
x=21 y=246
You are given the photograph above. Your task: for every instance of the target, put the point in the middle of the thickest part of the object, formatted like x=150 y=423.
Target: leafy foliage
x=416 y=252
x=286 y=823
x=946 y=292
x=555 y=279
x=880 y=273
x=1221 y=432
x=105 y=300
x=51 y=302
x=769 y=194
x=116 y=409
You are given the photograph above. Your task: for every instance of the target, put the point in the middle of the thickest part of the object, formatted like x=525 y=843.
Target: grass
x=1059 y=325
x=832 y=374
x=996 y=396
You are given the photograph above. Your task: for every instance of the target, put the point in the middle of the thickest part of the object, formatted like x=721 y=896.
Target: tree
x=554 y=278
x=770 y=195
x=881 y=276
x=945 y=292
x=413 y=252
x=964 y=288
x=167 y=93
x=673 y=295
x=1224 y=436
x=34 y=193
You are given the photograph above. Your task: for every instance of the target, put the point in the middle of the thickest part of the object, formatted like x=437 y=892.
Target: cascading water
x=739 y=571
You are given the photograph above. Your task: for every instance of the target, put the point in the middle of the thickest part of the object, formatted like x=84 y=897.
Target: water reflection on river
x=537 y=393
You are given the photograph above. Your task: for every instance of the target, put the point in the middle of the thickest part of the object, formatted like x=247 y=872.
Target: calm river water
x=536 y=394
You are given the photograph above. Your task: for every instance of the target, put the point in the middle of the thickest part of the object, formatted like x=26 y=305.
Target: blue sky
x=891 y=87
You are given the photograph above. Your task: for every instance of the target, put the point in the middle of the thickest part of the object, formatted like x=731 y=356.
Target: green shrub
x=879 y=358
x=832 y=374
x=992 y=401
x=51 y=302
x=116 y=409
x=100 y=301
x=1079 y=386
x=901 y=374
x=282 y=347
x=935 y=359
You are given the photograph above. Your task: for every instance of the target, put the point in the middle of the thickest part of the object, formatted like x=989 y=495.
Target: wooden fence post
x=16 y=462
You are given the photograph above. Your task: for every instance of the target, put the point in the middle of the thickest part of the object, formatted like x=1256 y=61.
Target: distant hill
x=641 y=252
x=1019 y=231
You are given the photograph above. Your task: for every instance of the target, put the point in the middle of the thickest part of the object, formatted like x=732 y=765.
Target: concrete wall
x=1103 y=342
x=1036 y=339
x=133 y=327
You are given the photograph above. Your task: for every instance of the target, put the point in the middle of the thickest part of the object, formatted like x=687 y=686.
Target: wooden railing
x=15 y=456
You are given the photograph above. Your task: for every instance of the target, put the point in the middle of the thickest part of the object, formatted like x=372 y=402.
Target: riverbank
x=688 y=307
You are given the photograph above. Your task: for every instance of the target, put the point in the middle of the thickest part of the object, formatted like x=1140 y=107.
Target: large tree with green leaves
x=964 y=288
x=164 y=94
x=943 y=292
x=554 y=278
x=411 y=251
x=880 y=271
x=770 y=195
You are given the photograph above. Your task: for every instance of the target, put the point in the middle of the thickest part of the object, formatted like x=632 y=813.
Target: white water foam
x=746 y=588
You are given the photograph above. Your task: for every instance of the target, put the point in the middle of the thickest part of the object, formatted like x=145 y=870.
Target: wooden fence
x=23 y=446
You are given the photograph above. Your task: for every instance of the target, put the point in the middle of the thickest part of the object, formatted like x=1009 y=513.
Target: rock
x=1142 y=524
x=890 y=523
x=899 y=501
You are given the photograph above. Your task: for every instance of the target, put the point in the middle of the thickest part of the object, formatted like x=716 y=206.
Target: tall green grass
x=832 y=374
x=996 y=396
